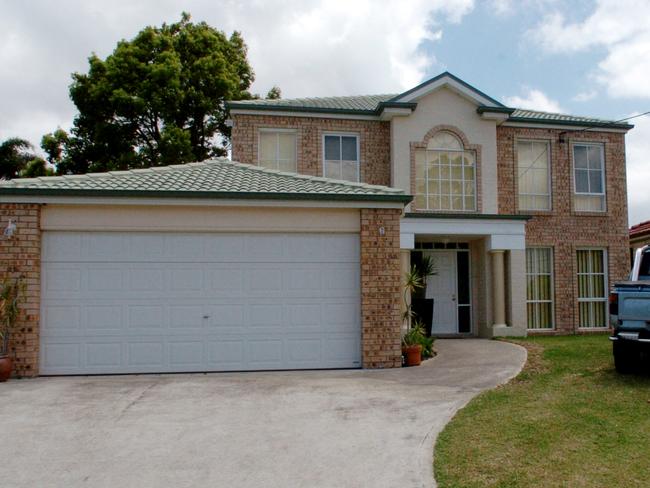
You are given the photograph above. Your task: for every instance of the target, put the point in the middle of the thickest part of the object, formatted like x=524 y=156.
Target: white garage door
x=128 y=302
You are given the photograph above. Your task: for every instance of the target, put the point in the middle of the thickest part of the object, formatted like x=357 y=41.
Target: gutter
x=220 y=195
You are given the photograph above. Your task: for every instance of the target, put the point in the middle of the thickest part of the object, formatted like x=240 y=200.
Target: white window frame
x=550 y=179
x=277 y=146
x=603 y=180
x=426 y=179
x=342 y=134
x=605 y=297
x=552 y=291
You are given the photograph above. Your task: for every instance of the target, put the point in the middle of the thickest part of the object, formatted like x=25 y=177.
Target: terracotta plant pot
x=413 y=355
x=5 y=368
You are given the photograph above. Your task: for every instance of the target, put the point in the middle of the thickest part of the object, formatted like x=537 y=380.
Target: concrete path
x=277 y=429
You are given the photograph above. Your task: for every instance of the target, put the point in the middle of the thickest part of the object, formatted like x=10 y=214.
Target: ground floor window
x=539 y=287
x=592 y=288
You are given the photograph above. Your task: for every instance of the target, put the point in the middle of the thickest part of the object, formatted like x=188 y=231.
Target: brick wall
x=562 y=228
x=374 y=142
x=21 y=256
x=380 y=289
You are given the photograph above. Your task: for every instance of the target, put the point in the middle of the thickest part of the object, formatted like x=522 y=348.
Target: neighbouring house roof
x=373 y=105
x=214 y=179
x=640 y=230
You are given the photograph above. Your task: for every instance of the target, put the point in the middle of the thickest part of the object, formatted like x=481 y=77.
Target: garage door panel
x=151 y=278
x=61 y=280
x=61 y=356
x=225 y=281
x=186 y=317
x=227 y=315
x=264 y=353
x=150 y=354
x=199 y=302
x=265 y=248
x=186 y=353
x=103 y=317
x=109 y=246
x=105 y=279
x=304 y=316
x=226 y=355
x=104 y=355
x=63 y=318
x=302 y=352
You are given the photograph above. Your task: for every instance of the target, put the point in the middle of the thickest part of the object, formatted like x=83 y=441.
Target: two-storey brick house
x=282 y=264
x=523 y=213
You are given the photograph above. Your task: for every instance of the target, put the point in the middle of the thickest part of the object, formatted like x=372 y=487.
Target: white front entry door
x=146 y=302
x=442 y=288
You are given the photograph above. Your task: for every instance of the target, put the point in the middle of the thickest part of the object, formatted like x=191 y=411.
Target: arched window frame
x=421 y=201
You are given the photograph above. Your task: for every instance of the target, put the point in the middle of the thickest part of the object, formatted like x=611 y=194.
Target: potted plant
x=412 y=344
x=10 y=294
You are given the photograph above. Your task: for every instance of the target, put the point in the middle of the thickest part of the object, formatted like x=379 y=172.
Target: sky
x=585 y=57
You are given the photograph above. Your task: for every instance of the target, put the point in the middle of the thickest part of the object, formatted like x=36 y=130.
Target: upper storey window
x=277 y=149
x=341 y=156
x=534 y=175
x=589 y=177
x=445 y=175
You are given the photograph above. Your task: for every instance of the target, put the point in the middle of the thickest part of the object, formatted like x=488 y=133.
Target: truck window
x=644 y=269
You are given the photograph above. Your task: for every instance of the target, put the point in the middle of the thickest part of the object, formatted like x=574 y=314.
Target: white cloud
x=638 y=170
x=502 y=7
x=307 y=47
x=585 y=96
x=535 y=100
x=618 y=26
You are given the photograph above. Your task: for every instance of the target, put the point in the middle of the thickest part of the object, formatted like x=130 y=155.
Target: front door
x=442 y=288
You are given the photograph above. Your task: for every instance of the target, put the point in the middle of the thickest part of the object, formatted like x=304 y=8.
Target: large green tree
x=18 y=160
x=157 y=99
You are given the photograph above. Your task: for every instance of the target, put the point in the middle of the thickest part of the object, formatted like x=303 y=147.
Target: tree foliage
x=157 y=99
x=18 y=160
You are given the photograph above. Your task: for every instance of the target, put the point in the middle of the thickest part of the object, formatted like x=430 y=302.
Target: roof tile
x=217 y=177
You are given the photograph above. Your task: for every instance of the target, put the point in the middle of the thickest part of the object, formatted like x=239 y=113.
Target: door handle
x=453 y=298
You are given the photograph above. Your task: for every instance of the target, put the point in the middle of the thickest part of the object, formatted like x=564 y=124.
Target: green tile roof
x=535 y=116
x=360 y=103
x=373 y=105
x=217 y=178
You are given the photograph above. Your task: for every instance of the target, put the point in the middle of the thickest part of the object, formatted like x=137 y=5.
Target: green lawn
x=567 y=420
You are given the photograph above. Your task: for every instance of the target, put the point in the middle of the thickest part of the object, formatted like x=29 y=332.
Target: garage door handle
x=206 y=316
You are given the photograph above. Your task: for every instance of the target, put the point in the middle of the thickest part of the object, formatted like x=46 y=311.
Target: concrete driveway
x=276 y=429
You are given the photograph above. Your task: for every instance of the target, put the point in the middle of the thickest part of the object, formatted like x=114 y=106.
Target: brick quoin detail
x=21 y=256
x=374 y=142
x=562 y=228
x=380 y=289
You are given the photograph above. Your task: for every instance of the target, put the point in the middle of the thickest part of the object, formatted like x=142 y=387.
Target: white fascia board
x=498 y=242
x=499 y=117
x=196 y=202
x=390 y=112
x=453 y=85
x=282 y=113
x=585 y=128
x=468 y=227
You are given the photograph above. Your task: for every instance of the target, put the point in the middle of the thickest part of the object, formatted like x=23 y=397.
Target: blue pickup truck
x=629 y=310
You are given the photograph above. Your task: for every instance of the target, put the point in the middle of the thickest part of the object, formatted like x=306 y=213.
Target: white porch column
x=498 y=289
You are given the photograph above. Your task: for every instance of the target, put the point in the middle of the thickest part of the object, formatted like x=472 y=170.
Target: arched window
x=445 y=175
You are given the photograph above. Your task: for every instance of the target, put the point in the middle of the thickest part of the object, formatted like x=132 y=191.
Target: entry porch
x=479 y=283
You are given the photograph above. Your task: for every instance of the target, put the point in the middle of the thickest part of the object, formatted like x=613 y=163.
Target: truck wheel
x=625 y=358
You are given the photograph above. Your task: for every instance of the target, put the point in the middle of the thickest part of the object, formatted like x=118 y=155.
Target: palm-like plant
x=10 y=294
x=412 y=282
